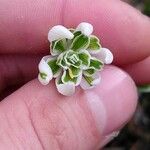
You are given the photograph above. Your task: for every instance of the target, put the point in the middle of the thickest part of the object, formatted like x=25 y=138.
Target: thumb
x=37 y=117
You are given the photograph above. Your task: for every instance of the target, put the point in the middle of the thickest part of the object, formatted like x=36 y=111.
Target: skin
x=36 y=116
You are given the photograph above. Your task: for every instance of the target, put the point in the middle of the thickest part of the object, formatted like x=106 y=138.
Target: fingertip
x=112 y=103
x=120 y=27
x=86 y=117
x=140 y=71
x=118 y=93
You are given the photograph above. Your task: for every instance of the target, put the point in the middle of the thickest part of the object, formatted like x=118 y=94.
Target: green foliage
x=147 y=7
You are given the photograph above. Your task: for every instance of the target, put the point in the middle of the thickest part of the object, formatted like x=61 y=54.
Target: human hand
x=36 y=116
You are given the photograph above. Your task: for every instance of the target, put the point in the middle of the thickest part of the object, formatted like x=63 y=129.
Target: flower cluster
x=76 y=58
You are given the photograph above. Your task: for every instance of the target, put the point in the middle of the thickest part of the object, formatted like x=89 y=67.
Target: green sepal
x=77 y=64
x=53 y=65
x=76 y=33
x=94 y=44
x=74 y=72
x=66 y=77
x=71 y=58
x=61 y=61
x=80 y=42
x=89 y=72
x=85 y=58
x=89 y=79
x=96 y=63
x=59 y=81
x=58 y=46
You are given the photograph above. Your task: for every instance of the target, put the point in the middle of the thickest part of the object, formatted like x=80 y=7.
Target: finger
x=77 y=122
x=25 y=25
x=17 y=69
x=124 y=33
x=108 y=138
x=140 y=71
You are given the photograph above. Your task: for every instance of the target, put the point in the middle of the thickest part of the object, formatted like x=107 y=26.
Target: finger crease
x=34 y=129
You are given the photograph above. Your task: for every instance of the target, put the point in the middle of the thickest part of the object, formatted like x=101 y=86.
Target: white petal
x=79 y=79
x=85 y=28
x=66 y=89
x=59 y=32
x=44 y=68
x=97 y=79
x=105 y=55
x=43 y=81
x=93 y=52
x=84 y=84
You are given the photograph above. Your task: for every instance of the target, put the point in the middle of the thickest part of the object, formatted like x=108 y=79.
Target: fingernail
x=106 y=139
x=97 y=110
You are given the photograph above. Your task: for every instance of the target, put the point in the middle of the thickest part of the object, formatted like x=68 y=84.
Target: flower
x=76 y=59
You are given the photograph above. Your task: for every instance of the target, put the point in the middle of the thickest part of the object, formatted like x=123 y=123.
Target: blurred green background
x=143 y=5
x=136 y=134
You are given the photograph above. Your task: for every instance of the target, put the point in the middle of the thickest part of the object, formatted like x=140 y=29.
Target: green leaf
x=144 y=88
x=89 y=72
x=66 y=77
x=94 y=44
x=54 y=67
x=58 y=46
x=43 y=75
x=80 y=42
x=85 y=58
x=74 y=72
x=96 y=63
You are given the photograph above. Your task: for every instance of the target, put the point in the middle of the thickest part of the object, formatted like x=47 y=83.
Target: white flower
x=76 y=59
